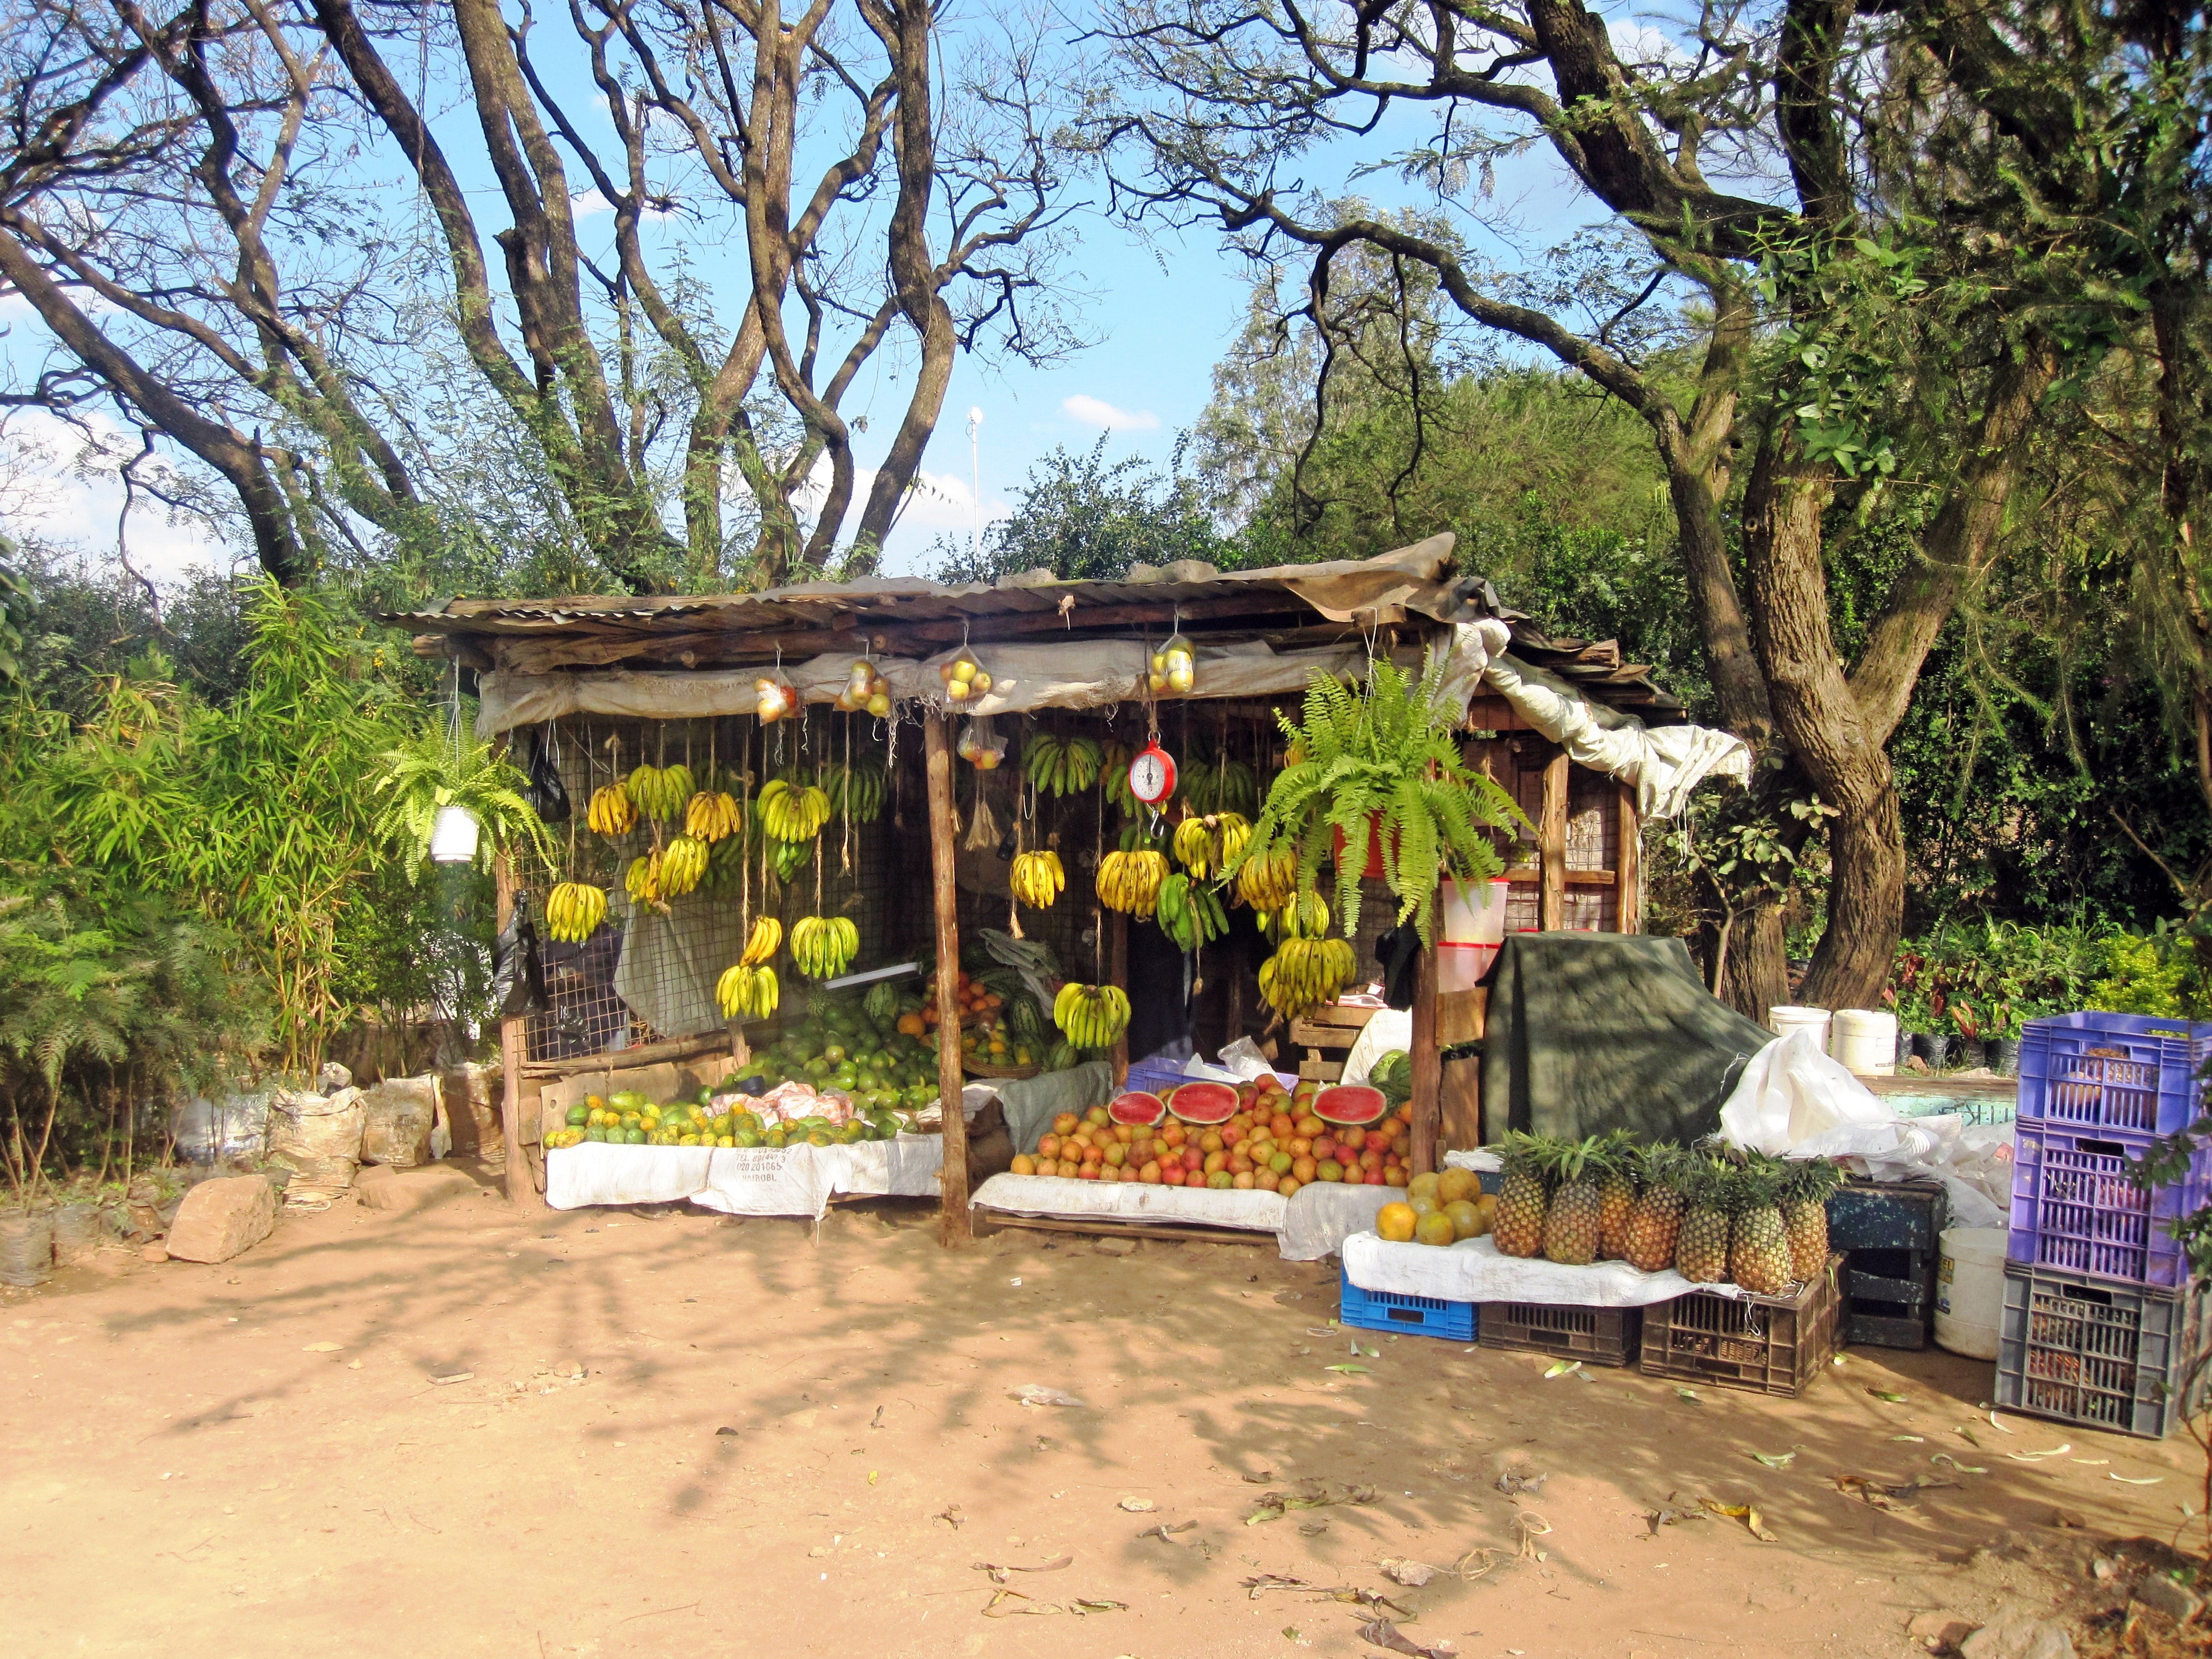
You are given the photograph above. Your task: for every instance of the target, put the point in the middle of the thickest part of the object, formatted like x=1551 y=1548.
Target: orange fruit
x=1453 y=1185
x=1397 y=1222
x=1434 y=1228
x=1466 y=1220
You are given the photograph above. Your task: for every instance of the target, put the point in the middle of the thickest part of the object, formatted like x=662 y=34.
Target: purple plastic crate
x=2074 y=1208
x=2133 y=1074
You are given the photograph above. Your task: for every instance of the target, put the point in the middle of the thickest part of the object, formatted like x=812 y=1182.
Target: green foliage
x=432 y=771
x=1384 y=761
x=2159 y=973
x=1085 y=518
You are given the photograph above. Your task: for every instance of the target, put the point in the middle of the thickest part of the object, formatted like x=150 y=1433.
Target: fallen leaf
x=2130 y=1480
x=1349 y=1370
x=1562 y=1368
x=1165 y=1533
x=1088 y=1605
x=1775 y=1460
x=1383 y=1634
x=1260 y=1479
x=456 y=1377
x=1521 y=1480
x=323 y=1347
x=950 y=1515
x=877 y=1421
x=1668 y=1514
x=1690 y=1395
x=1310 y=1495
x=2097 y=1463
x=1949 y=1461
x=1312 y=1528
x=1994 y=1423
x=1031 y=1395
x=1743 y=1512
x=1912 y=1439
x=872 y=1477
x=726 y=1429
x=2038 y=1456
x=1877 y=1495
x=1890 y=1394
x=999 y=1573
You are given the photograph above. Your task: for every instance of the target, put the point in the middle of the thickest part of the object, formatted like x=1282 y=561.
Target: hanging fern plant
x=1383 y=762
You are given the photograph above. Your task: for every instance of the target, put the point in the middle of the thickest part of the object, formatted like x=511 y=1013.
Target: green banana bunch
x=726 y=864
x=1190 y=913
x=787 y=859
x=1115 y=768
x=574 y=911
x=824 y=946
x=1092 y=1016
x=1305 y=973
x=1219 y=785
x=1037 y=878
x=1062 y=766
x=791 y=812
x=857 y=791
x=642 y=881
x=748 y=992
x=659 y=792
x=1131 y=881
x=682 y=864
x=712 y=816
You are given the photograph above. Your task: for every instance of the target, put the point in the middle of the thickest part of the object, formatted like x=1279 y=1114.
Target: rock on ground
x=398 y=1191
x=2161 y=1594
x=1939 y=1632
x=220 y=1219
x=2019 y=1636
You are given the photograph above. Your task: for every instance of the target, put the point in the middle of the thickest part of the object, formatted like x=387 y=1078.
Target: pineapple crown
x=1576 y=1160
x=1756 y=1183
x=1810 y=1180
x=1522 y=1152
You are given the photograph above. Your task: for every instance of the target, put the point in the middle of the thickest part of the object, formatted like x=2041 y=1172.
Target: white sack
x=1473 y=1270
x=1390 y=1029
x=1319 y=1216
x=1251 y=1210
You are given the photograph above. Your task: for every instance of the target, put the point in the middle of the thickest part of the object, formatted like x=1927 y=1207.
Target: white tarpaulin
x=1132 y=1200
x=1794 y=1101
x=1473 y=1270
x=794 y=1180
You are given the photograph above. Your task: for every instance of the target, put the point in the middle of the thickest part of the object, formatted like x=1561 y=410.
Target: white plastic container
x=1783 y=1021
x=1970 y=1290
x=1474 y=931
x=1865 y=1040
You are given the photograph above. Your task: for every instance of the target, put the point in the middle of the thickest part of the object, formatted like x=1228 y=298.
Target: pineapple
x=1519 y=1227
x=1805 y=1192
x=1616 y=1195
x=1649 y=1242
x=1571 y=1224
x=1759 y=1254
x=1701 y=1247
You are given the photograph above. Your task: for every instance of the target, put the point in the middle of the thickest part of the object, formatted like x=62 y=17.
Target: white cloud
x=588 y=204
x=939 y=500
x=1097 y=411
x=63 y=490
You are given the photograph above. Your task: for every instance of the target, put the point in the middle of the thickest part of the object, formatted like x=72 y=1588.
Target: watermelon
x=1349 y=1103
x=1204 y=1103
x=1138 y=1109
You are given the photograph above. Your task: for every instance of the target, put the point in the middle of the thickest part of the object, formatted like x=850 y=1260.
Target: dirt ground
x=785 y=1443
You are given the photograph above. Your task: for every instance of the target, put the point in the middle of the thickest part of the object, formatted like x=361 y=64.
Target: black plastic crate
x=2119 y=1357
x=1769 y=1344
x=1597 y=1336
x=1889 y=1298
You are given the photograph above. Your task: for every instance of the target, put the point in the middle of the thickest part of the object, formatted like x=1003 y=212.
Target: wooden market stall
x=590 y=684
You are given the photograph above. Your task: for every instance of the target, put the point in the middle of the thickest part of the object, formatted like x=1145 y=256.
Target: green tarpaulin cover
x=1591 y=1032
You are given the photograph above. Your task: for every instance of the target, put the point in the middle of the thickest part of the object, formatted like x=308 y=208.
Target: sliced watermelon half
x=1350 y=1104
x=1204 y=1103
x=1138 y=1109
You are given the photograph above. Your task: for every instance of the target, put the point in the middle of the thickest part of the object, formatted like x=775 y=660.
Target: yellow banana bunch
x=791 y=813
x=1305 y=973
x=761 y=943
x=1306 y=916
x=1207 y=844
x=1270 y=881
x=824 y=946
x=611 y=812
x=574 y=911
x=712 y=815
x=659 y=792
x=1092 y=1016
x=642 y=880
x=1131 y=881
x=1037 y=878
x=748 y=991
x=683 y=865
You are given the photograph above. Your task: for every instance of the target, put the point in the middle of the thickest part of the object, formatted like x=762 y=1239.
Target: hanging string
x=845 y=857
x=745 y=834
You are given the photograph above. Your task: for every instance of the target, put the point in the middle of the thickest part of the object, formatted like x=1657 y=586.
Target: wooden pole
x=1628 y=866
x=1552 y=845
x=952 y=1221
x=1428 y=1067
x=1117 y=973
x=521 y=1190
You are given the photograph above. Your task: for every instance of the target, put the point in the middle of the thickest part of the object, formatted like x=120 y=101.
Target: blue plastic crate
x=1403 y=1315
x=2133 y=1074
x=2074 y=1210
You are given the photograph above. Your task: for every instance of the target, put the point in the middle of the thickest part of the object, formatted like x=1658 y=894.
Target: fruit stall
x=834 y=859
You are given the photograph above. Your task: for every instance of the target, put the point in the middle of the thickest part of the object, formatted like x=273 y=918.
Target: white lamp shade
x=453 y=836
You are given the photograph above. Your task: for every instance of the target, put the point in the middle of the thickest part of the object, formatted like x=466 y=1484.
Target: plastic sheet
x=1473 y=1271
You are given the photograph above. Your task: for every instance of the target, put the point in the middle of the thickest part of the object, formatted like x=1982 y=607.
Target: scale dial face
x=1152 y=775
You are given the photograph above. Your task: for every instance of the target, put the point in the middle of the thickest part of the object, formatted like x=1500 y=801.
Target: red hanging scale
x=1152 y=773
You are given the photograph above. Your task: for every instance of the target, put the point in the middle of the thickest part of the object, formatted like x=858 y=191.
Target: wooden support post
x=1117 y=973
x=514 y=1049
x=1428 y=1067
x=1628 y=865
x=1552 y=845
x=952 y=1221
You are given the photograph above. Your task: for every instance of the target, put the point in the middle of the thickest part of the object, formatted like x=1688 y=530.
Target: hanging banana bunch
x=761 y=944
x=1305 y=973
x=1092 y=1016
x=660 y=791
x=611 y=812
x=726 y=860
x=1114 y=770
x=1205 y=846
x=1062 y=766
x=574 y=911
x=824 y=946
x=1037 y=878
x=712 y=816
x=857 y=791
x=1190 y=913
x=748 y=991
x=1306 y=916
x=683 y=865
x=642 y=880
x=1269 y=880
x=1131 y=882
x=791 y=812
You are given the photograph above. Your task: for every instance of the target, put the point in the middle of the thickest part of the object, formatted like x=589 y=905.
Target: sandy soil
x=786 y=1444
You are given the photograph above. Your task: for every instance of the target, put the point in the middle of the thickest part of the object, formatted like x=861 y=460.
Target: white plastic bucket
x=1865 y=1040
x=1474 y=931
x=1970 y=1290
x=1783 y=1021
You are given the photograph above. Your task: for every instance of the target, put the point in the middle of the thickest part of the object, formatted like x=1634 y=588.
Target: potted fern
x=436 y=776
x=1380 y=768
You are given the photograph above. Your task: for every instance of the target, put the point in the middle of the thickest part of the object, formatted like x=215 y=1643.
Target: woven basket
x=975 y=1068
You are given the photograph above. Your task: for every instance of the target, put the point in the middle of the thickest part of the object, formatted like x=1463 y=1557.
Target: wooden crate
x=1314 y=1069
